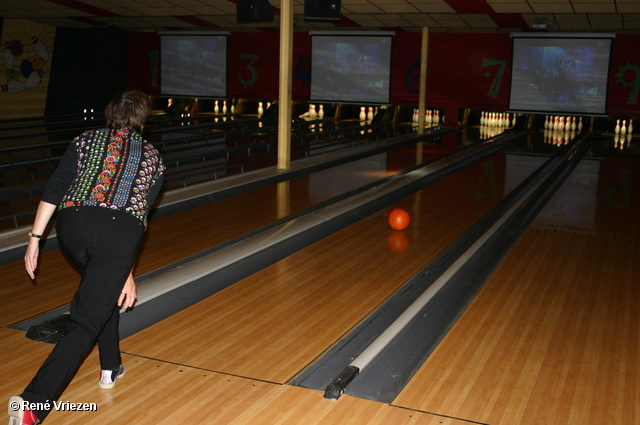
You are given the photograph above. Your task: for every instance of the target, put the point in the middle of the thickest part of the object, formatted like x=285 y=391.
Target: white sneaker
x=108 y=377
x=19 y=414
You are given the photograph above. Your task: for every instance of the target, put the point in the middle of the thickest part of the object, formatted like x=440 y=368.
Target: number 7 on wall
x=497 y=80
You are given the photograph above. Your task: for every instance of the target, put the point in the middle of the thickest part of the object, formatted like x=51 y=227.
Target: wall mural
x=26 y=62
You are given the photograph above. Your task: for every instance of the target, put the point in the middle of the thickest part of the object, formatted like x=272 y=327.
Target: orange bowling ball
x=399 y=219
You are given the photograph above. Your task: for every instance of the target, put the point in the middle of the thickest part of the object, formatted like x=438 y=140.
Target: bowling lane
x=274 y=323
x=144 y=399
x=553 y=336
x=178 y=236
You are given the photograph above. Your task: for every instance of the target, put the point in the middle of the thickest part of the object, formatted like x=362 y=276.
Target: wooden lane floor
x=163 y=393
x=178 y=236
x=553 y=337
x=274 y=323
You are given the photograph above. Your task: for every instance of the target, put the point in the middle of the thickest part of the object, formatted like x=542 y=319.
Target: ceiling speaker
x=254 y=11
x=322 y=10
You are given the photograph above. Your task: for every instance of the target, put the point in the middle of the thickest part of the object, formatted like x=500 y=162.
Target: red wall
x=464 y=70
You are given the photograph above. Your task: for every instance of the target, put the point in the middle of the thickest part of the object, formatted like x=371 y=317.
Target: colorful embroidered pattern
x=116 y=169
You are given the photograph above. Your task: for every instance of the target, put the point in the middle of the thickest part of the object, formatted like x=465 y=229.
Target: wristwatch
x=33 y=235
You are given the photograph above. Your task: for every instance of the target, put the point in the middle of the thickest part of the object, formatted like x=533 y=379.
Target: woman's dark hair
x=129 y=108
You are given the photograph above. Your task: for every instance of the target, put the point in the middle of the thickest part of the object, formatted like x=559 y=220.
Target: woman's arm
x=54 y=192
x=43 y=215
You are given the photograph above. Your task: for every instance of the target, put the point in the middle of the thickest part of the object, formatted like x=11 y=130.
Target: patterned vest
x=116 y=169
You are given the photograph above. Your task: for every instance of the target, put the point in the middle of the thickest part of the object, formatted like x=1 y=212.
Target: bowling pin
x=40 y=48
x=260 y=109
x=8 y=56
x=573 y=124
x=370 y=113
x=630 y=128
x=363 y=114
x=436 y=119
x=580 y=124
x=321 y=112
x=216 y=108
x=224 y=106
x=616 y=130
x=13 y=87
x=35 y=78
x=623 y=129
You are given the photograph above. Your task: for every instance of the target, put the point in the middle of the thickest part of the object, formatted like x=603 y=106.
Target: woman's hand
x=31 y=257
x=43 y=215
x=128 y=294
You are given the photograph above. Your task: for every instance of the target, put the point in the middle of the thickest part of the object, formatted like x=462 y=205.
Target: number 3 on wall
x=254 y=73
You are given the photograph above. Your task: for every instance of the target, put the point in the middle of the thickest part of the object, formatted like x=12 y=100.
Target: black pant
x=103 y=244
